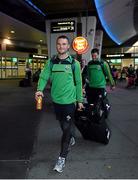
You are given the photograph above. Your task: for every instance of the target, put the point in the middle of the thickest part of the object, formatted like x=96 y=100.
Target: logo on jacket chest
x=67 y=67
x=97 y=67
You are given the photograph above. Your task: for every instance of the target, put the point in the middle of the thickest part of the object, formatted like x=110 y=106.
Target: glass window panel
x=118 y=60
x=113 y=60
x=136 y=61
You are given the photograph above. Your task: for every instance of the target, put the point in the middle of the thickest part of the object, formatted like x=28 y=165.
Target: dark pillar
x=79 y=33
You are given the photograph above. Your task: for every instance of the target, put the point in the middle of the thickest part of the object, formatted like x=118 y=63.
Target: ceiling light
x=6 y=41
x=12 y=32
x=41 y=40
x=135 y=44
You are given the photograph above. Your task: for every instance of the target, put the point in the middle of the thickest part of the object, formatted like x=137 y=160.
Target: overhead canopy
x=117 y=18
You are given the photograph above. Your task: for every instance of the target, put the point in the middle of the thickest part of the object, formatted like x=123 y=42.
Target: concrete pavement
x=20 y=124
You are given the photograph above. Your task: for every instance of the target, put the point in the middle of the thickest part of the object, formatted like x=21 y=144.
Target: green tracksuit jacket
x=63 y=90
x=96 y=76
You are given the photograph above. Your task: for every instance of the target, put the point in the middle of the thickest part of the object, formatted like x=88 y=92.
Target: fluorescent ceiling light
x=35 y=7
x=133 y=49
x=135 y=44
x=12 y=31
x=6 y=41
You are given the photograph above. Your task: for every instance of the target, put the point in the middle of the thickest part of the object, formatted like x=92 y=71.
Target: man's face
x=62 y=46
x=95 y=56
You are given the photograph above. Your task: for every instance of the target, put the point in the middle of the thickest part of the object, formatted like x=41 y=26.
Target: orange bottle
x=39 y=103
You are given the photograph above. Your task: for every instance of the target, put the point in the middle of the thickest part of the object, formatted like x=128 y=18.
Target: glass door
x=8 y=67
x=3 y=67
x=21 y=67
x=14 y=67
x=0 y=68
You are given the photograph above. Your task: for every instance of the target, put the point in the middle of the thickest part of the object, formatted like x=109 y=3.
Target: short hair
x=63 y=37
x=95 y=50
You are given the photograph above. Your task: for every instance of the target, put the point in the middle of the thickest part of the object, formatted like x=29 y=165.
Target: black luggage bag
x=92 y=125
x=24 y=83
x=136 y=82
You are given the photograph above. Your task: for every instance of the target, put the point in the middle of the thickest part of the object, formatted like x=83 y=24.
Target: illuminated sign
x=116 y=56
x=38 y=56
x=62 y=26
x=80 y=45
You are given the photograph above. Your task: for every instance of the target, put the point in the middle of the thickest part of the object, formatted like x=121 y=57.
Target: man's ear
x=68 y=46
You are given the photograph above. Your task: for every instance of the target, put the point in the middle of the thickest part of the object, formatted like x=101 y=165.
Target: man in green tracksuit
x=66 y=91
x=97 y=71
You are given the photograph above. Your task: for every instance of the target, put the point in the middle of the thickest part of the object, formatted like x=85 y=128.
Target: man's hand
x=112 y=87
x=80 y=106
x=83 y=91
x=38 y=93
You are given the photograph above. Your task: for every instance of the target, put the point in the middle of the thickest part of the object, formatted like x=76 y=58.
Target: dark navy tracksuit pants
x=65 y=116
